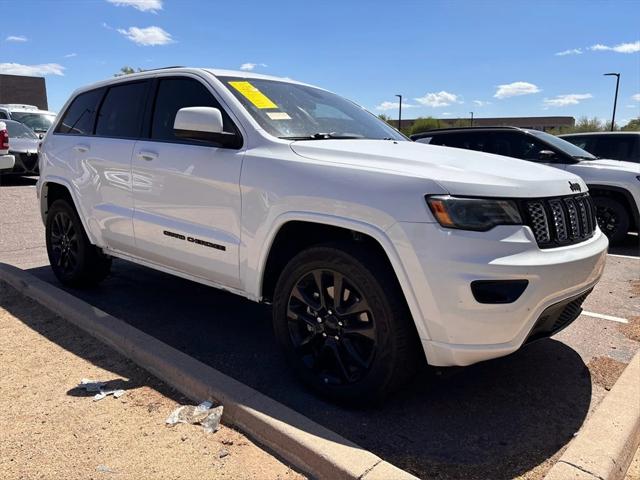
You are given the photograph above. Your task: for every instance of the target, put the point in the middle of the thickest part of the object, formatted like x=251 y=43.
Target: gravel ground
x=52 y=430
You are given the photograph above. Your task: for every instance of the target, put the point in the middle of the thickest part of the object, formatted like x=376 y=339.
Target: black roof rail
x=426 y=133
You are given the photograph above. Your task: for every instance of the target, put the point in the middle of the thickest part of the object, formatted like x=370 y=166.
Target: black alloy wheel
x=64 y=242
x=332 y=327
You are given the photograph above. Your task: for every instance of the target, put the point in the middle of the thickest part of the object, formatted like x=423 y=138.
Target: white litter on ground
x=201 y=414
x=95 y=386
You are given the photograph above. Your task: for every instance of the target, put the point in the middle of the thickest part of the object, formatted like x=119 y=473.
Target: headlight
x=479 y=214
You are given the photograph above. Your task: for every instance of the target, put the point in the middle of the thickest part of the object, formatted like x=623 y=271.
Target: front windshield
x=39 y=122
x=563 y=145
x=298 y=112
x=18 y=130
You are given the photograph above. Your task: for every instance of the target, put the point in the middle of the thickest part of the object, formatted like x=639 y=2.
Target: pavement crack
x=366 y=472
x=582 y=469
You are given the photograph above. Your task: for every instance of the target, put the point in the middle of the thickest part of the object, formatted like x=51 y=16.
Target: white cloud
x=439 y=99
x=16 y=38
x=571 y=51
x=250 y=66
x=71 y=55
x=384 y=106
x=631 y=47
x=564 y=100
x=446 y=114
x=481 y=103
x=636 y=97
x=149 y=36
x=32 y=70
x=515 y=89
x=143 y=5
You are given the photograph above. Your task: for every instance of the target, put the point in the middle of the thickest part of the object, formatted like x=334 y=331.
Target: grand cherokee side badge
x=575 y=187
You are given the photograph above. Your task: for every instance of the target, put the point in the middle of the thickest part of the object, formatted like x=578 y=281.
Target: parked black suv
x=614 y=184
x=617 y=145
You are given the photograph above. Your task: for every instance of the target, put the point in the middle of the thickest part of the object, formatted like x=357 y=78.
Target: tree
x=632 y=126
x=126 y=70
x=584 y=124
x=424 y=124
x=384 y=117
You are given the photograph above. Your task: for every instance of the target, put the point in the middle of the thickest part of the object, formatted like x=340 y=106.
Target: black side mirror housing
x=225 y=139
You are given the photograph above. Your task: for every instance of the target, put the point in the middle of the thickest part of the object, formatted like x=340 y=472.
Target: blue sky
x=446 y=58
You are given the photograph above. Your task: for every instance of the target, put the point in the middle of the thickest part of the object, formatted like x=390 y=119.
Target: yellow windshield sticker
x=255 y=96
x=278 y=115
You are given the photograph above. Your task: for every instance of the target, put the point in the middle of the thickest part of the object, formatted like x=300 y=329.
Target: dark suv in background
x=616 y=145
x=614 y=184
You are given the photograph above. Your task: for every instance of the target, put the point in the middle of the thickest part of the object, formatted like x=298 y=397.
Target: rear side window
x=470 y=141
x=79 y=117
x=174 y=94
x=616 y=147
x=3 y=116
x=121 y=112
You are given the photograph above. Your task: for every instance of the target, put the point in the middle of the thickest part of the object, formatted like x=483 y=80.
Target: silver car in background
x=23 y=145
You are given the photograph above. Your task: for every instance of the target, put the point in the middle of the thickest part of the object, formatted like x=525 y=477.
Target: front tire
x=340 y=316
x=74 y=260
x=613 y=218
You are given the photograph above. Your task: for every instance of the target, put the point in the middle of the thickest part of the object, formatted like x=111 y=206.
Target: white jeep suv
x=376 y=252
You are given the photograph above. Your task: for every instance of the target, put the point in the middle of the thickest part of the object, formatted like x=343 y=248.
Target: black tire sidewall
x=78 y=273
x=373 y=385
x=623 y=217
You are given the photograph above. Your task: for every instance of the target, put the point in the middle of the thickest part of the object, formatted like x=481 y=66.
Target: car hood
x=460 y=172
x=606 y=164
x=23 y=145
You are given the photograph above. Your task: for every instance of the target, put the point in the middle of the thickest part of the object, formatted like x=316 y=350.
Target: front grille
x=560 y=221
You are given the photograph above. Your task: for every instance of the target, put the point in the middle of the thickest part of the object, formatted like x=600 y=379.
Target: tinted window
x=121 y=111
x=78 y=119
x=581 y=142
x=616 y=147
x=174 y=94
x=518 y=145
x=3 y=116
x=470 y=141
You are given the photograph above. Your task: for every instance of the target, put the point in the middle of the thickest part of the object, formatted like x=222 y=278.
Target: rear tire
x=356 y=347
x=613 y=218
x=74 y=260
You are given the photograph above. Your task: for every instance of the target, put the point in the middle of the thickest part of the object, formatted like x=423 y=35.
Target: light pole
x=615 y=99
x=471 y=119
x=399 y=113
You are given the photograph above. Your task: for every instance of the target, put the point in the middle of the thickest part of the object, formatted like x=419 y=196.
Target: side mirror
x=204 y=124
x=546 y=154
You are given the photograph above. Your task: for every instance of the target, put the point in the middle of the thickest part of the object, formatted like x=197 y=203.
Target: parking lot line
x=622 y=256
x=605 y=317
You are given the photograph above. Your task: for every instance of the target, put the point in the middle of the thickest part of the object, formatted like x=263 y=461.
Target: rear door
x=187 y=192
x=118 y=126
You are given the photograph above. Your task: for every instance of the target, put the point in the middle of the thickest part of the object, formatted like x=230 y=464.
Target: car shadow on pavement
x=630 y=246
x=16 y=181
x=496 y=420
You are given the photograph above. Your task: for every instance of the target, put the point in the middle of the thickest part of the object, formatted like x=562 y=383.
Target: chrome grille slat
x=560 y=221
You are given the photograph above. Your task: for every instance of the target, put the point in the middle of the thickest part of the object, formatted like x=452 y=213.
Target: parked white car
x=376 y=252
x=37 y=120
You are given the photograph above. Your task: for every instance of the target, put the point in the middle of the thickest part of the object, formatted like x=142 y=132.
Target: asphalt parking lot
x=505 y=418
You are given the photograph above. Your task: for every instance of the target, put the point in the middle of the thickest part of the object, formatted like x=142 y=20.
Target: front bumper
x=455 y=329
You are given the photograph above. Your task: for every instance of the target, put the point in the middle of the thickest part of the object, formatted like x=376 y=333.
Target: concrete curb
x=307 y=445
x=608 y=441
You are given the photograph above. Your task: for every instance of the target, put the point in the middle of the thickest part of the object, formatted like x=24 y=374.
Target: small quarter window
x=79 y=117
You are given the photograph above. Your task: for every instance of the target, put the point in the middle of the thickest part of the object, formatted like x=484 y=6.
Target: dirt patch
x=631 y=330
x=52 y=429
x=605 y=371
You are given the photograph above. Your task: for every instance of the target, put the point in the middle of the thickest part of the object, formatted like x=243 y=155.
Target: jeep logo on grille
x=575 y=187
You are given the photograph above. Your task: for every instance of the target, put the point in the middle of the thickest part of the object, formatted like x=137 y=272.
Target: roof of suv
x=429 y=133
x=213 y=71
x=598 y=133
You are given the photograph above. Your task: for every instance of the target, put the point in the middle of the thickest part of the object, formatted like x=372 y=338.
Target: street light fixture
x=615 y=99
x=399 y=113
x=471 y=118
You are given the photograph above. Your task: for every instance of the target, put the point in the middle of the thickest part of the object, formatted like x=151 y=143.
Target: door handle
x=81 y=147
x=148 y=156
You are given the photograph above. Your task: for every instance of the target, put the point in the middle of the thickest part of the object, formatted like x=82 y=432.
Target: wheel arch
x=270 y=262
x=621 y=194
x=56 y=189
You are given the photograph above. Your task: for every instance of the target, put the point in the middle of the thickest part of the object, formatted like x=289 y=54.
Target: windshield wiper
x=324 y=136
